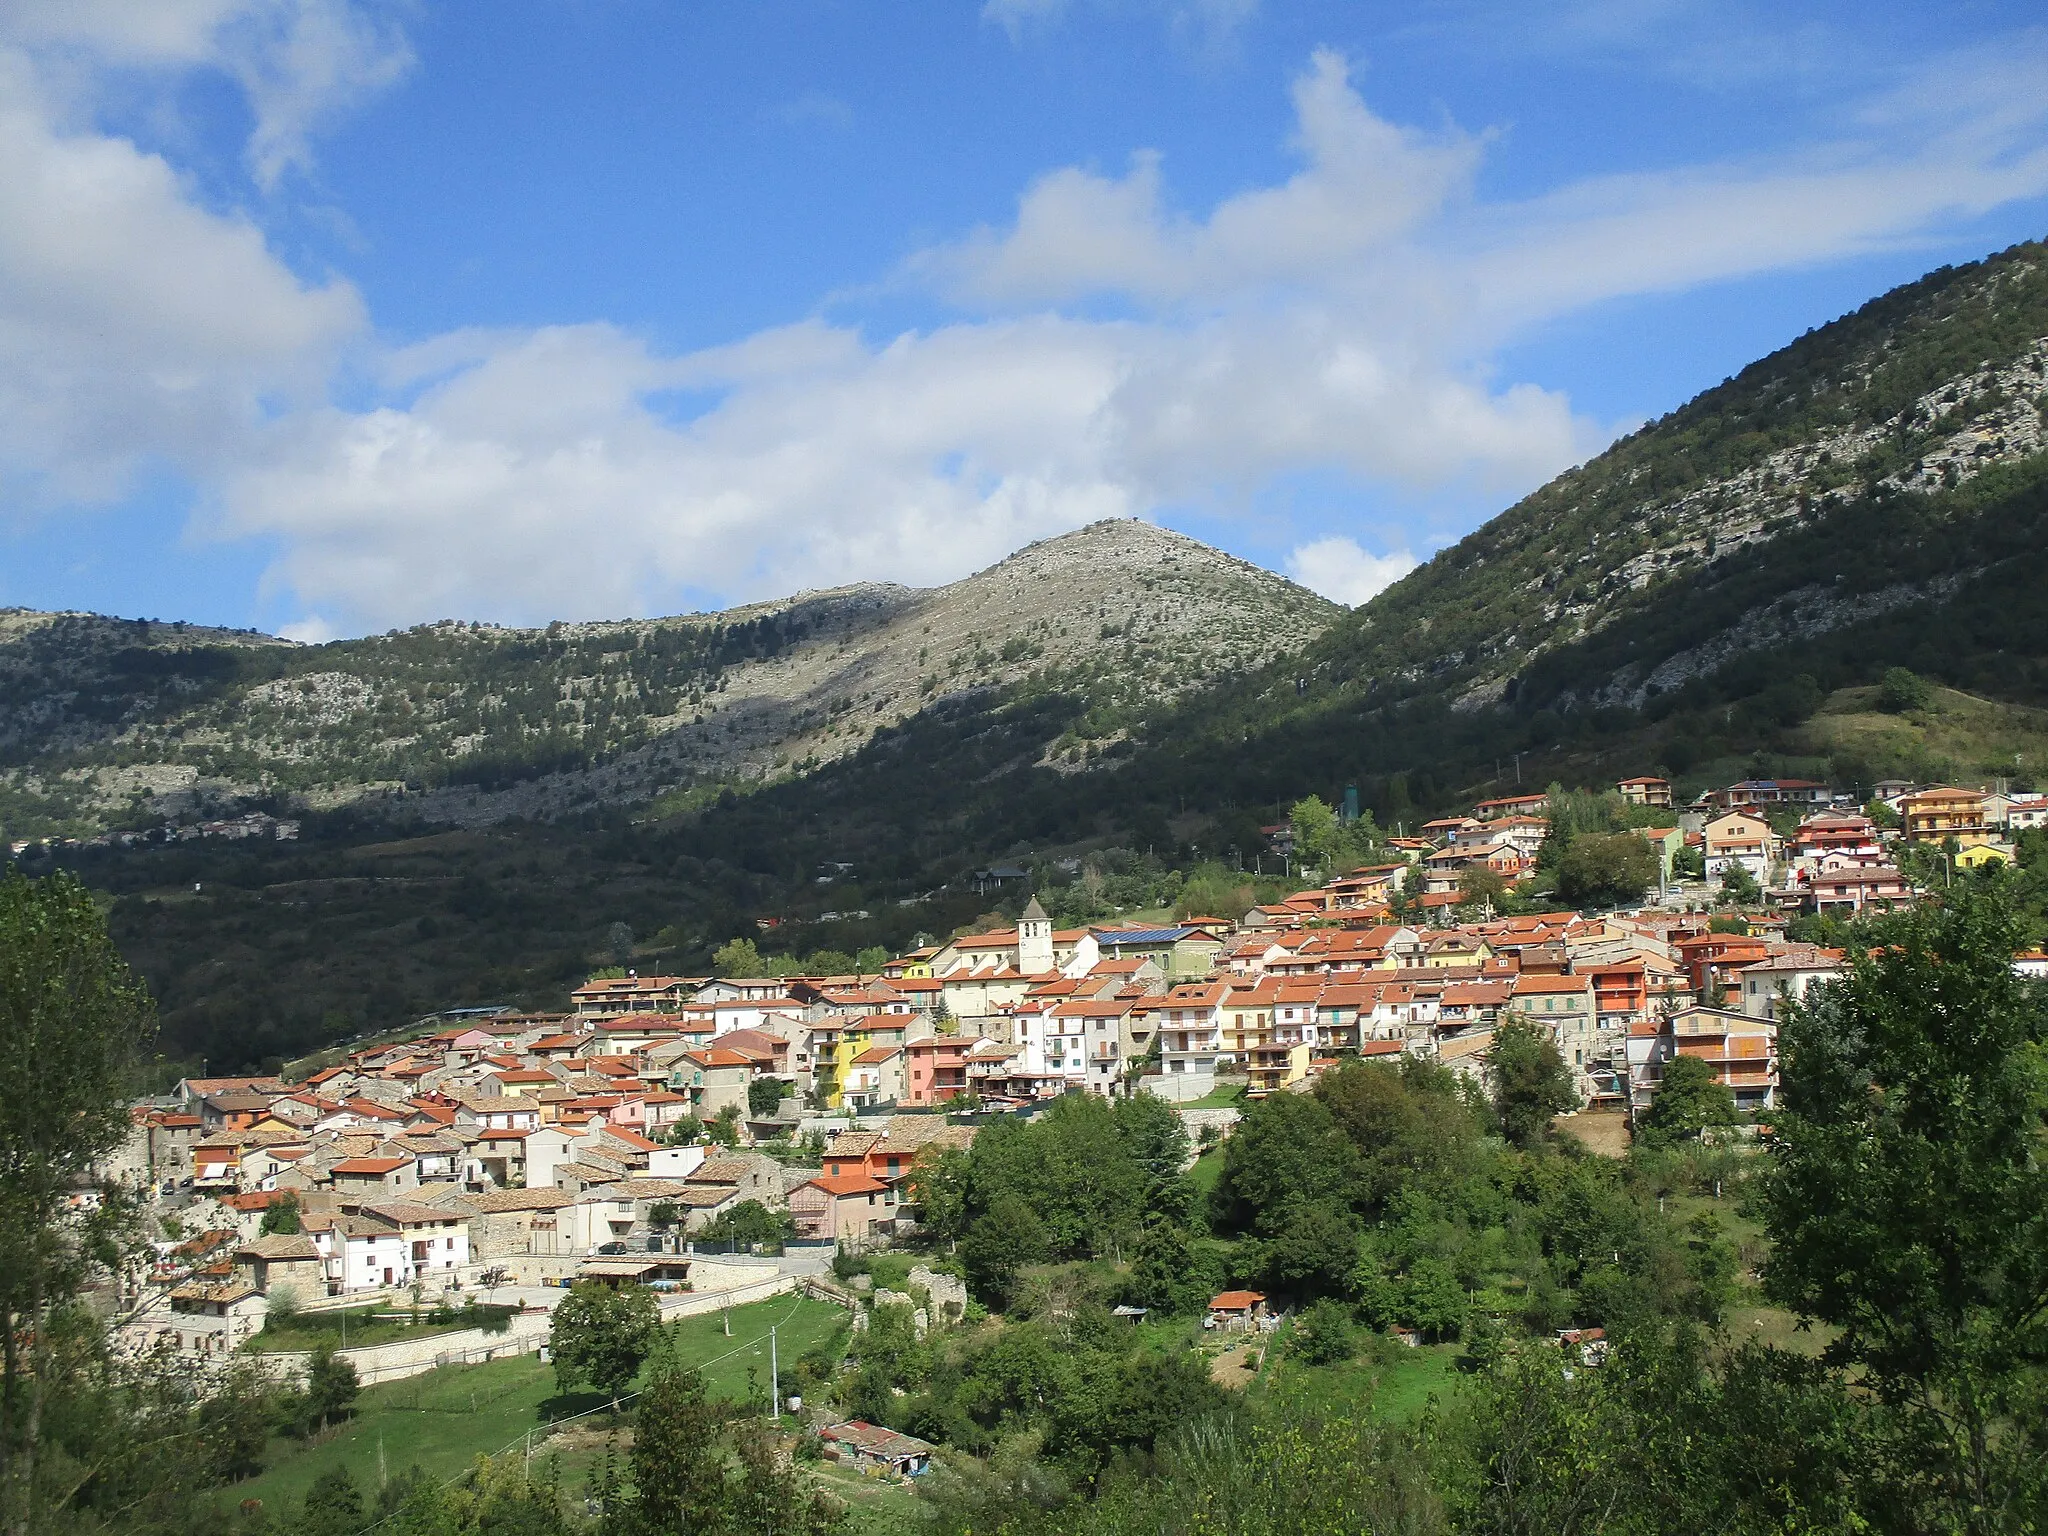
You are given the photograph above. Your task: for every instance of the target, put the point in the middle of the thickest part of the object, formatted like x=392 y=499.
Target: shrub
x=1323 y=1334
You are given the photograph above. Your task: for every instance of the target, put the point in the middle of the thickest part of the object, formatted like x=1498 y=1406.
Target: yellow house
x=836 y=1062
x=1980 y=854
x=1934 y=815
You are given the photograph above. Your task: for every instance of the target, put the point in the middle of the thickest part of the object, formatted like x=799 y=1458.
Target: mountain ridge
x=468 y=723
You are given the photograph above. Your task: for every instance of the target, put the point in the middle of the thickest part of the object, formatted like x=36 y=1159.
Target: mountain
x=106 y=720
x=1720 y=591
x=1870 y=496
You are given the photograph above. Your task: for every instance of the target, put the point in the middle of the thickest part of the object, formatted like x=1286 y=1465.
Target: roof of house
x=370 y=1165
x=1524 y=985
x=1236 y=1301
x=279 y=1247
x=836 y=1184
x=497 y=1201
x=872 y=1439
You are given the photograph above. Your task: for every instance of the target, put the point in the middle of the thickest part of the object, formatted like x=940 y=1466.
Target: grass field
x=1207 y=1170
x=443 y=1420
x=1957 y=736
x=1396 y=1382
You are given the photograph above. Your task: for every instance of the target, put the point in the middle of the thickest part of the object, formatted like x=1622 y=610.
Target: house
x=1739 y=839
x=1183 y=950
x=367 y=1177
x=1188 y=1020
x=711 y=1078
x=1830 y=841
x=1849 y=891
x=1983 y=854
x=839 y=1206
x=1511 y=805
x=1645 y=790
x=281 y=1263
x=612 y=996
x=1565 y=1006
x=510 y=1223
x=660 y=1271
x=876 y=1077
x=213 y=1317
x=869 y=1445
x=935 y=1069
x=1743 y=1051
x=1943 y=812
x=433 y=1240
x=1236 y=1311
x=1769 y=984
x=1753 y=793
x=191 y=1090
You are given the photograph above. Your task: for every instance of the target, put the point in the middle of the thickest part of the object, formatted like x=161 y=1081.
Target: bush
x=282 y=1311
x=1323 y=1335
x=1902 y=691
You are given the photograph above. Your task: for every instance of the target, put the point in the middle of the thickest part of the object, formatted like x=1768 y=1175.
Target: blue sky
x=326 y=317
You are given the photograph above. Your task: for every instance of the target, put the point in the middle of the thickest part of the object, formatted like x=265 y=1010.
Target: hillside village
x=664 y=1112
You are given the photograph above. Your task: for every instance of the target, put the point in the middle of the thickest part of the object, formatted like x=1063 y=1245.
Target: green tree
x=281 y=1216
x=938 y=1185
x=1432 y=1300
x=679 y=1476
x=331 y=1385
x=235 y=1422
x=1287 y=1152
x=750 y=1222
x=1165 y=1276
x=601 y=1334
x=764 y=1096
x=1606 y=869
x=999 y=1244
x=1689 y=1099
x=1906 y=1199
x=72 y=1021
x=738 y=957
x=1314 y=1248
x=1530 y=1082
x=1482 y=886
x=333 y=1505
x=1902 y=691
x=1739 y=885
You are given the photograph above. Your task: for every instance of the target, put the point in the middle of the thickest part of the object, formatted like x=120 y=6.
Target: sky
x=326 y=317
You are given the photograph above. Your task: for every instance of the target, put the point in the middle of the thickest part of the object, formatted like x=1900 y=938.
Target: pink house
x=935 y=1069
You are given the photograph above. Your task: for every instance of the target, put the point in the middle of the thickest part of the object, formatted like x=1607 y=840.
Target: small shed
x=867 y=1444
x=1236 y=1311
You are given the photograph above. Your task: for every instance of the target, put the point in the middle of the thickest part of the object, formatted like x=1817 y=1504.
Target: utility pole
x=774 y=1379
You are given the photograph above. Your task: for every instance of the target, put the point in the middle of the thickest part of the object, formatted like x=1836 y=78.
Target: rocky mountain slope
x=104 y=720
x=1870 y=495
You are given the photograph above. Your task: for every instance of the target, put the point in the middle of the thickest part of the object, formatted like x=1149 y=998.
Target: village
x=665 y=1114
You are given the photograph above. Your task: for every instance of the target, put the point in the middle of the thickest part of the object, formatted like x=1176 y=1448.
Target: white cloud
x=1344 y=573
x=1209 y=24
x=1341 y=320
x=311 y=630
x=300 y=63
x=1367 y=185
x=134 y=324
x=1344 y=320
